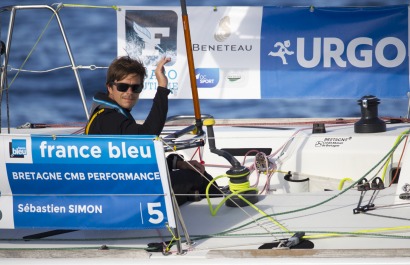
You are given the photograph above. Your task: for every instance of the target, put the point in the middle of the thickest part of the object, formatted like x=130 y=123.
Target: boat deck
x=325 y=211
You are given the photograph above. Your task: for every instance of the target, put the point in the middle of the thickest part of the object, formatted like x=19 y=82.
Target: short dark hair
x=123 y=66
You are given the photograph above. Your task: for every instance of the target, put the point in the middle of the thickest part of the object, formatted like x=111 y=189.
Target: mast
x=191 y=67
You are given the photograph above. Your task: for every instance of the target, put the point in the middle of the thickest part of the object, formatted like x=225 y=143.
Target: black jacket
x=116 y=120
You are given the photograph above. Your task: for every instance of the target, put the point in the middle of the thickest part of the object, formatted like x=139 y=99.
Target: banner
x=84 y=182
x=334 y=52
x=273 y=52
x=225 y=44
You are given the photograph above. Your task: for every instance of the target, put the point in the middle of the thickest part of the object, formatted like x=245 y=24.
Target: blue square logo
x=18 y=148
x=207 y=77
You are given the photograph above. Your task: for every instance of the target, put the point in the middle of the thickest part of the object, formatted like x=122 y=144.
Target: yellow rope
x=238 y=187
x=337 y=195
x=264 y=214
x=359 y=232
x=237 y=193
x=342 y=182
x=172 y=239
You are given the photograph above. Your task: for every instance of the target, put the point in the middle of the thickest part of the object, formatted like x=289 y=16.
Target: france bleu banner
x=85 y=182
x=334 y=52
x=259 y=52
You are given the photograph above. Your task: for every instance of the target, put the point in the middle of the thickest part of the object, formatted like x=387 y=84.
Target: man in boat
x=111 y=114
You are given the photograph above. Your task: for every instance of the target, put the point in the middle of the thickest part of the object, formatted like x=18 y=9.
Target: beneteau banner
x=225 y=44
x=273 y=52
x=84 y=182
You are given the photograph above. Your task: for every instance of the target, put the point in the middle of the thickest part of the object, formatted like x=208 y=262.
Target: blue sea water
x=52 y=97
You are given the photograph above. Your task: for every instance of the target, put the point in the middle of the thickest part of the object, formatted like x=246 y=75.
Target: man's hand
x=160 y=72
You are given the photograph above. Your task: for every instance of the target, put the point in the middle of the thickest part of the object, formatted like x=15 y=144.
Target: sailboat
x=294 y=190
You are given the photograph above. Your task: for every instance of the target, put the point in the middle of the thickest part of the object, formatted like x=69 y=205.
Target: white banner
x=225 y=42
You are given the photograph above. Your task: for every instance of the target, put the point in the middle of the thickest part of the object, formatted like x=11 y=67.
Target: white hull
x=320 y=209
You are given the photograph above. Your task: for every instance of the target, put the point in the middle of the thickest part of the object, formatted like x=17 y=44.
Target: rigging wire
x=391 y=156
x=32 y=50
x=386 y=158
x=212 y=182
x=90 y=6
x=21 y=68
x=398 y=166
x=89 y=67
x=335 y=196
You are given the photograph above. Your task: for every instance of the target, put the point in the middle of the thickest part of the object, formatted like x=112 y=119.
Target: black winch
x=369 y=122
x=238 y=174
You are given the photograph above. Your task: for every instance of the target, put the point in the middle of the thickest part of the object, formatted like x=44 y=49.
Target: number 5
x=151 y=211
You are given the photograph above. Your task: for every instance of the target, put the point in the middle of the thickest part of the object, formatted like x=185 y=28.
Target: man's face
x=126 y=99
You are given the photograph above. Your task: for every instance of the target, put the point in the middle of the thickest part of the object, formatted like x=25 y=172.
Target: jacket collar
x=102 y=101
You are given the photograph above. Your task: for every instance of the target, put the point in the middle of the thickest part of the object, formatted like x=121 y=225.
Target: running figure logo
x=282 y=50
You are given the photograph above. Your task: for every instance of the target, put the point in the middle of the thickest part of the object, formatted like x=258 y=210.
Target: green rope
x=356 y=234
x=331 y=198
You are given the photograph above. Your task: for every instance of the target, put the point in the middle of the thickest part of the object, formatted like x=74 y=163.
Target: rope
x=91 y=67
x=212 y=183
x=174 y=238
x=31 y=51
x=21 y=68
x=322 y=234
x=333 y=197
x=90 y=6
x=390 y=157
x=236 y=190
x=336 y=233
x=360 y=232
x=244 y=186
x=342 y=182
x=398 y=166
x=332 y=123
